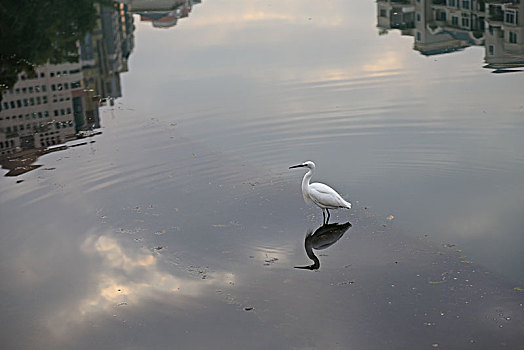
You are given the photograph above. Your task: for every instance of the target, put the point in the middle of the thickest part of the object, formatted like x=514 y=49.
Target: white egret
x=320 y=194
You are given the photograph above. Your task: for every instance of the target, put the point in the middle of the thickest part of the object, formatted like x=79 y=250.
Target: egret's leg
x=328 y=215
x=323 y=216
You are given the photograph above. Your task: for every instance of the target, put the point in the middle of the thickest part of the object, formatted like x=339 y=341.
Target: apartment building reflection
x=161 y=13
x=505 y=34
x=442 y=26
x=60 y=102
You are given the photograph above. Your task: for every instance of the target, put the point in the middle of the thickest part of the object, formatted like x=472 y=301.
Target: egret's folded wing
x=326 y=196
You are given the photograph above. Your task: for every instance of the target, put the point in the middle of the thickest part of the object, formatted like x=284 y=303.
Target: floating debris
x=233 y=223
x=390 y=217
x=345 y=283
x=270 y=261
x=248 y=308
x=159 y=248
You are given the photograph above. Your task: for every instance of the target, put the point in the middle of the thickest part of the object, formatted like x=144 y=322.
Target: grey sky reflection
x=432 y=139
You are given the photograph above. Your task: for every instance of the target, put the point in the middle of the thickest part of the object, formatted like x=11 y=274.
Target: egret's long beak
x=297 y=166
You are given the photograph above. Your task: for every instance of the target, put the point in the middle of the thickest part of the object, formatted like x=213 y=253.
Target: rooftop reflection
x=444 y=26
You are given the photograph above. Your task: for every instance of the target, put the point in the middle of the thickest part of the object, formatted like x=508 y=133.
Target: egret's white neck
x=306 y=179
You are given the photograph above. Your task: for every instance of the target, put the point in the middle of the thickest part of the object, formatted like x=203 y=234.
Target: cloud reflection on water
x=122 y=276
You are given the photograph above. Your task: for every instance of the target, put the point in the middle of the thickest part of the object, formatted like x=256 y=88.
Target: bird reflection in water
x=324 y=236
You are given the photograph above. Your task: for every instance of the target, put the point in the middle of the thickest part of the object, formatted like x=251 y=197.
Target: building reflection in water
x=60 y=101
x=161 y=13
x=442 y=26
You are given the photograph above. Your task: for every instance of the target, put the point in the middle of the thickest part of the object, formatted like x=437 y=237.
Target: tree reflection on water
x=36 y=32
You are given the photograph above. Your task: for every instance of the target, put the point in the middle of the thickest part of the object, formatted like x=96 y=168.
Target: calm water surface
x=180 y=226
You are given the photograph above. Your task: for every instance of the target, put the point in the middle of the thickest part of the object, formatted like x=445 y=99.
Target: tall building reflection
x=442 y=26
x=161 y=13
x=60 y=101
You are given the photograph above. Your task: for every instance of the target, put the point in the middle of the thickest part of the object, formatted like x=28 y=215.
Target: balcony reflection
x=443 y=26
x=324 y=237
x=53 y=103
x=161 y=13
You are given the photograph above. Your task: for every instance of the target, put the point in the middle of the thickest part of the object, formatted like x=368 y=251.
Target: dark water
x=177 y=224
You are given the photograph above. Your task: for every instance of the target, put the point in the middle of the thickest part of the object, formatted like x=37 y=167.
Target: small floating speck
x=345 y=283
x=248 y=308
